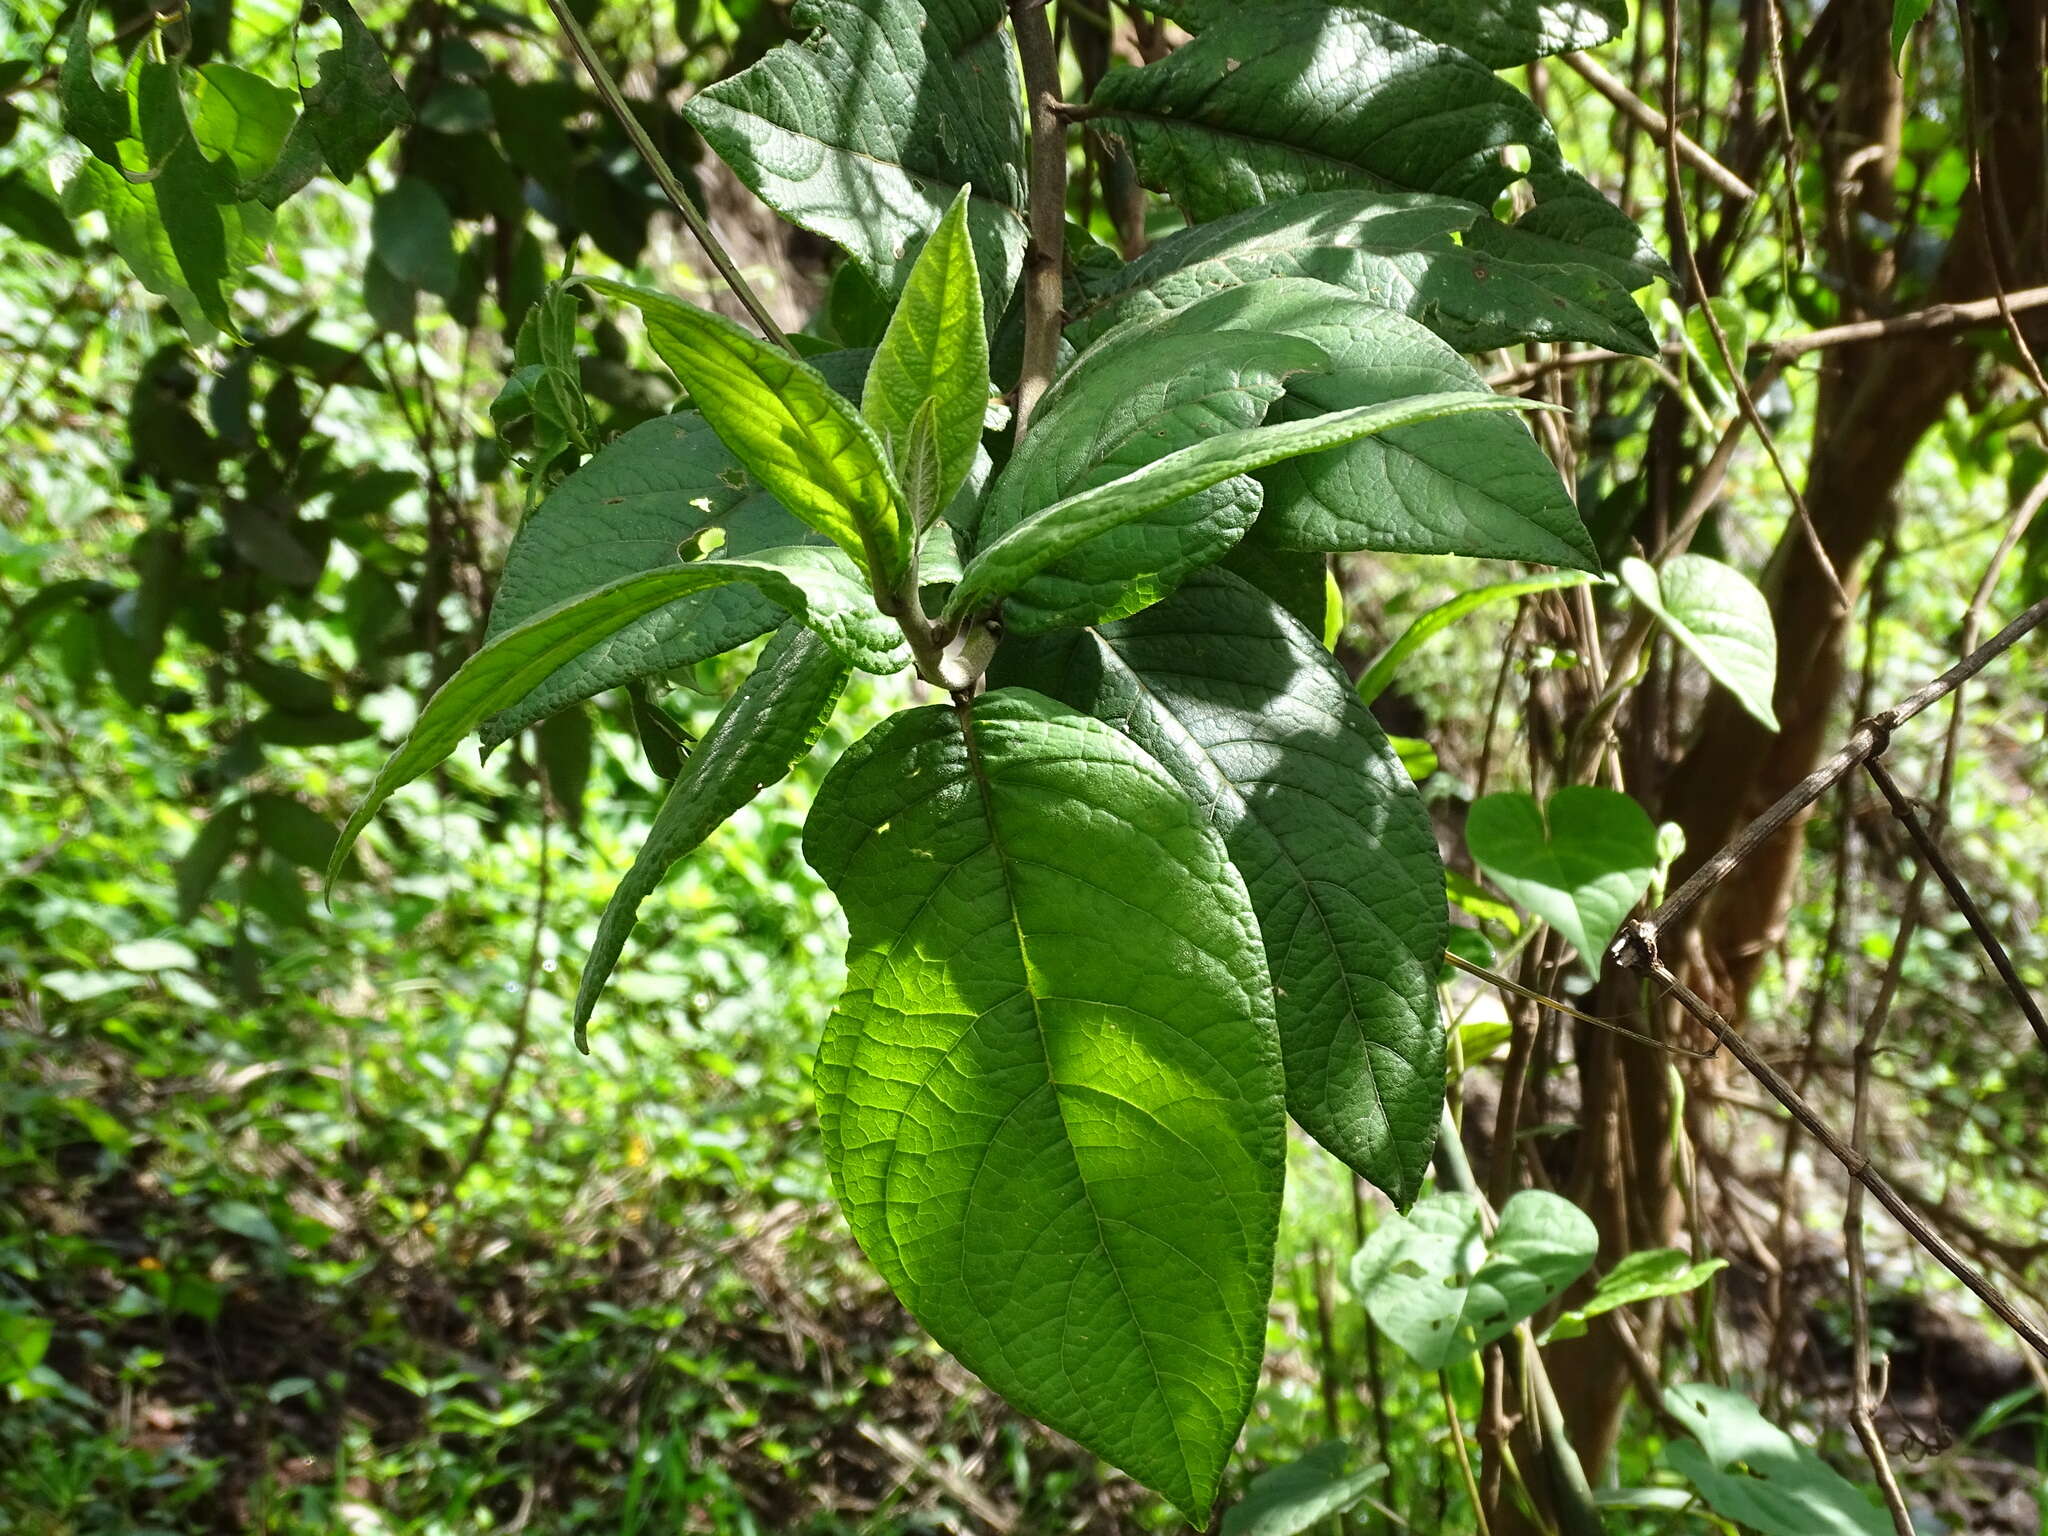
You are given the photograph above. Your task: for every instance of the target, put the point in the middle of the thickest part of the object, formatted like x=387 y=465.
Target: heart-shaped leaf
x=1442 y=1290
x=1578 y=863
x=1715 y=612
x=1755 y=1474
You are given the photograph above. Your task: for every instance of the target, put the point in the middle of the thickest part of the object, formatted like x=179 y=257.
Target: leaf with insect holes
x=1643 y=1276
x=1259 y=725
x=1443 y=1290
x=772 y=720
x=1750 y=1471
x=1717 y=614
x=1396 y=251
x=803 y=440
x=816 y=584
x=1579 y=863
x=934 y=354
x=1051 y=1095
x=1003 y=565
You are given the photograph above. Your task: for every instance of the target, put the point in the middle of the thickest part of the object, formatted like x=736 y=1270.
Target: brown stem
x=1046 y=254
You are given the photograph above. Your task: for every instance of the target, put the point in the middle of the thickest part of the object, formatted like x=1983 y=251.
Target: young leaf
x=814 y=584
x=1259 y=725
x=1469 y=485
x=1051 y=1096
x=798 y=436
x=868 y=129
x=765 y=730
x=1003 y=566
x=1394 y=250
x=1752 y=1472
x=935 y=350
x=1447 y=613
x=1643 y=1276
x=1579 y=863
x=1715 y=612
x=1302 y=96
x=1295 y=1498
x=1130 y=400
x=1443 y=1290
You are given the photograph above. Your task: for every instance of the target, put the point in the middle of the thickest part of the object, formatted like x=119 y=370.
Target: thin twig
x=1657 y=125
x=615 y=99
x=1047 y=197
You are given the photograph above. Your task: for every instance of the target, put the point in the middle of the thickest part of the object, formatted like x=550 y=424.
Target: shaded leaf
x=413 y=236
x=350 y=109
x=1291 y=1499
x=1750 y=1471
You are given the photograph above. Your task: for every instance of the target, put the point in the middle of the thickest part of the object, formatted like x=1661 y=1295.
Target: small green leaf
x=1643 y=1276
x=935 y=350
x=1444 y=614
x=28 y=207
x=1579 y=863
x=1442 y=1290
x=1906 y=15
x=1717 y=614
x=804 y=441
x=241 y=118
x=765 y=729
x=349 y=110
x=1291 y=1499
x=293 y=830
x=814 y=584
x=413 y=235
x=1051 y=1094
x=1752 y=1472
x=199 y=866
x=1003 y=566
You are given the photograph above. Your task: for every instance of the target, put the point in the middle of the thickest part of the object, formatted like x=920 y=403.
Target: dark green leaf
x=1499 y=33
x=1051 y=1097
x=565 y=740
x=94 y=114
x=412 y=235
x=31 y=210
x=763 y=731
x=867 y=130
x=1292 y=1499
x=349 y=111
x=293 y=830
x=199 y=866
x=1260 y=726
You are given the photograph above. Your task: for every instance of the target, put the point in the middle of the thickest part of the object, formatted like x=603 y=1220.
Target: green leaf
x=804 y=441
x=1470 y=485
x=1643 y=1276
x=293 y=830
x=1499 y=33
x=764 y=730
x=349 y=110
x=1443 y=1290
x=1005 y=564
x=814 y=584
x=413 y=235
x=1299 y=582
x=1752 y=1472
x=96 y=115
x=1130 y=401
x=1258 y=723
x=868 y=129
x=241 y=118
x=199 y=866
x=1299 y=96
x=1435 y=620
x=28 y=207
x=1579 y=863
x=1906 y=15
x=935 y=349
x=189 y=190
x=1394 y=250
x=1291 y=1499
x=1051 y=1096
x=1717 y=614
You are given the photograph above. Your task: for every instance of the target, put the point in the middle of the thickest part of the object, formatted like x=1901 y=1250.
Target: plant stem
x=1046 y=254
x=615 y=99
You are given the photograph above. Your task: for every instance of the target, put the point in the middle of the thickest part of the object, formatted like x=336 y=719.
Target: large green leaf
x=1260 y=726
x=1132 y=399
x=1750 y=1471
x=1442 y=1289
x=797 y=435
x=815 y=584
x=1715 y=612
x=1579 y=863
x=1307 y=95
x=1499 y=33
x=1051 y=1096
x=865 y=131
x=1393 y=249
x=934 y=356
x=765 y=729
x=1004 y=564
x=641 y=504
x=1294 y=1498
x=1467 y=485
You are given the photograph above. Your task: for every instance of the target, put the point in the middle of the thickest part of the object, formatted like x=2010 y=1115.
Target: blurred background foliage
x=313 y=1221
